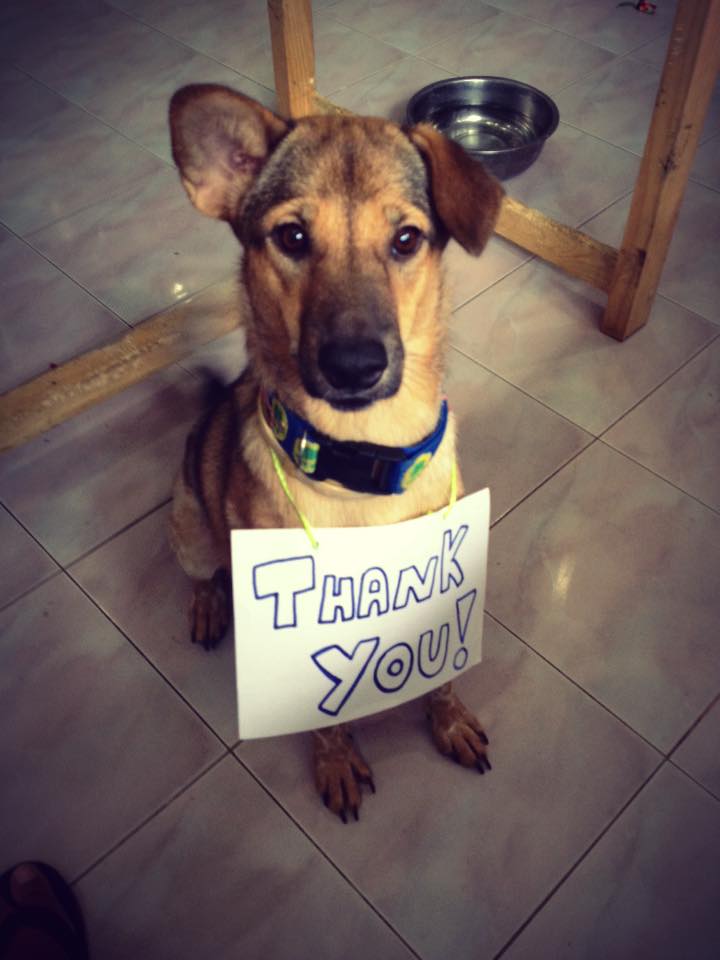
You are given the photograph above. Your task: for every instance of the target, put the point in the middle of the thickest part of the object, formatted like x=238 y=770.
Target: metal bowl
x=499 y=121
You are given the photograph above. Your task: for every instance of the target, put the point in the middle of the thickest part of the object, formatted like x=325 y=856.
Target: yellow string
x=306 y=523
x=286 y=489
x=453 y=489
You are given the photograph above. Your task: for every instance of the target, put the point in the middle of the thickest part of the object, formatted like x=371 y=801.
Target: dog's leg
x=211 y=609
x=457 y=732
x=340 y=770
x=207 y=565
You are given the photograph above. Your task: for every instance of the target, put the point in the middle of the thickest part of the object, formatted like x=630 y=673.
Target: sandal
x=68 y=934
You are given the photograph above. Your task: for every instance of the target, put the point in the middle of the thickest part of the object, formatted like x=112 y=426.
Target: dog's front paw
x=457 y=732
x=210 y=609
x=340 y=771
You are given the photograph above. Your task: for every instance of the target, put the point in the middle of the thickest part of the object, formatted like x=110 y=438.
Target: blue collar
x=363 y=467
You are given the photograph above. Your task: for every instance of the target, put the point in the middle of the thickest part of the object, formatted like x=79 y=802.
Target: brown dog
x=343 y=221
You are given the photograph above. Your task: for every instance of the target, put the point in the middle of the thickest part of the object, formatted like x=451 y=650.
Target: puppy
x=343 y=221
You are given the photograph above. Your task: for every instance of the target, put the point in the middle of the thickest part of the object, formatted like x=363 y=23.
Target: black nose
x=352 y=363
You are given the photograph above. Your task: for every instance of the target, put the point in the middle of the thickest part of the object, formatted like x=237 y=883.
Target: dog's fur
x=376 y=205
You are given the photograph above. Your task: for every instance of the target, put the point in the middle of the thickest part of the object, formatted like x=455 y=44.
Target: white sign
x=370 y=618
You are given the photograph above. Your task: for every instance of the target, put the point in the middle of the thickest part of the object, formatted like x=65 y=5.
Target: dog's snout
x=353 y=363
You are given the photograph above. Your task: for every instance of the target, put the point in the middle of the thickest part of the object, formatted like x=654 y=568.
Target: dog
x=343 y=221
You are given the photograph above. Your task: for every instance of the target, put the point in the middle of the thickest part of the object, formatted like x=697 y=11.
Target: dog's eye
x=406 y=241
x=291 y=239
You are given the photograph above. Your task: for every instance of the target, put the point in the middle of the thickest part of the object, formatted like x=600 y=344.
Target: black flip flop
x=68 y=935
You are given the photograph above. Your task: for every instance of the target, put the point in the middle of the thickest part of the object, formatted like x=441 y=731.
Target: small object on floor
x=39 y=915
x=642 y=6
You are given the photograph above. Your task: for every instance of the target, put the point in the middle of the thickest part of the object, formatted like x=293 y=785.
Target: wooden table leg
x=293 y=56
x=686 y=85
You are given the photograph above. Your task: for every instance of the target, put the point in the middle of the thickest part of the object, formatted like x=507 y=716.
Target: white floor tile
x=94 y=474
x=222 y=872
x=23 y=562
x=648 y=889
x=95 y=740
x=614 y=576
x=676 y=431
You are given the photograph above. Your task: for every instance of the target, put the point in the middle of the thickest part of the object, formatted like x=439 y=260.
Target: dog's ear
x=220 y=141
x=465 y=196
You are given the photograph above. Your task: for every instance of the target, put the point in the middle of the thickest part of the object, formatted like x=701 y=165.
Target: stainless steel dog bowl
x=499 y=121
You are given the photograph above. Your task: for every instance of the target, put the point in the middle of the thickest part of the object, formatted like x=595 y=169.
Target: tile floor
x=597 y=835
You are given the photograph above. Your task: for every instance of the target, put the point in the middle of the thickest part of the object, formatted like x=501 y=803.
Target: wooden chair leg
x=686 y=85
x=293 y=56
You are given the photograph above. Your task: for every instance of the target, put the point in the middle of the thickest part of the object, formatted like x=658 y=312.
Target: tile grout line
x=522 y=390
x=595 y=136
x=29 y=590
x=149 y=26
x=714 y=700
x=26 y=243
x=666 y=755
x=151 y=816
x=147 y=659
x=694 y=780
x=576 y=683
x=638 y=156
x=89 y=113
x=324 y=854
x=546 y=26
x=405 y=53
x=658 y=476
x=551 y=476
x=187 y=46
x=676 y=302
x=608 y=443
x=37 y=542
x=693 y=356
x=117 y=533
x=375 y=73
x=543 y=903
x=636 y=403
x=169 y=305
x=26 y=240
x=623 y=196
x=532 y=257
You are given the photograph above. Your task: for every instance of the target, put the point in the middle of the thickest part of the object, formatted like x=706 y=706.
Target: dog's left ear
x=220 y=142
x=465 y=196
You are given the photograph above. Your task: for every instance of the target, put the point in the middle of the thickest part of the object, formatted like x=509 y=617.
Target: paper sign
x=372 y=617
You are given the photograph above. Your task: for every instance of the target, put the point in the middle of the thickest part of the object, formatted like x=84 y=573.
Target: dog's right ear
x=220 y=142
x=465 y=196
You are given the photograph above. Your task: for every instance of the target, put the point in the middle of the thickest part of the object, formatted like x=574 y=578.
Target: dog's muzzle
x=351 y=356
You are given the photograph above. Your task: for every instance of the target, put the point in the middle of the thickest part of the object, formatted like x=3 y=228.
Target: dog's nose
x=352 y=363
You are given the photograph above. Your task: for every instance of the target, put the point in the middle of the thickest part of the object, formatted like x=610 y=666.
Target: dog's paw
x=340 y=771
x=210 y=609
x=456 y=731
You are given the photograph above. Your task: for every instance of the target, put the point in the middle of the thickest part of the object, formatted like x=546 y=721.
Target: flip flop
x=70 y=934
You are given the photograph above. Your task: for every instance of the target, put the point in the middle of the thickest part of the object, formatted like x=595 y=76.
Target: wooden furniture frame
x=629 y=275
